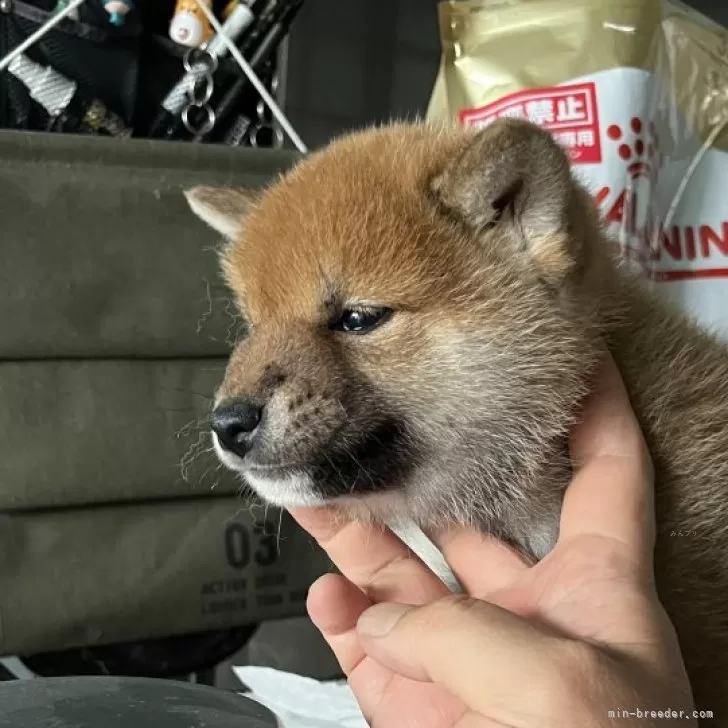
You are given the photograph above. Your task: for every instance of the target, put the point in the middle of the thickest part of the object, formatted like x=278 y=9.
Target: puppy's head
x=419 y=337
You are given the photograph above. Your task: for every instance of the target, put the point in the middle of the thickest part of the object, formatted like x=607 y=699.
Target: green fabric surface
x=116 y=327
x=89 y=432
x=114 y=513
x=114 y=574
x=101 y=255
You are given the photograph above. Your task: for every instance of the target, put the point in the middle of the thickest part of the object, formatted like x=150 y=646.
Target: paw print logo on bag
x=637 y=145
x=640 y=146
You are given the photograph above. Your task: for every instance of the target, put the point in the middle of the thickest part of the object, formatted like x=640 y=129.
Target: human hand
x=559 y=643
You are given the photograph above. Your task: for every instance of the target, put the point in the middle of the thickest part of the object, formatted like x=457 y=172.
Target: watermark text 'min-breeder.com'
x=667 y=714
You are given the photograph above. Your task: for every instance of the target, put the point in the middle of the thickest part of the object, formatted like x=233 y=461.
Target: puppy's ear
x=513 y=175
x=223 y=209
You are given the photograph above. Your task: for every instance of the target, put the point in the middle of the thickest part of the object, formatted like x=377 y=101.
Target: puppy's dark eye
x=361 y=320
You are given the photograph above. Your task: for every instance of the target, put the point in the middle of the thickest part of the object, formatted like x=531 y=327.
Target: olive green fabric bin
x=116 y=521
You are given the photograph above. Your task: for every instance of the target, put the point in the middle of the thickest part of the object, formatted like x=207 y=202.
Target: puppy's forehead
x=357 y=219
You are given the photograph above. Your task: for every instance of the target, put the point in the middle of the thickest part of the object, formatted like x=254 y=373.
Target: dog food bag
x=637 y=92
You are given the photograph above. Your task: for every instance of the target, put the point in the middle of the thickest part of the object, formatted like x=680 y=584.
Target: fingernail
x=380 y=620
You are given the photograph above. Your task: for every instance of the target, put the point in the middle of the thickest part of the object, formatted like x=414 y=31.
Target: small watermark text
x=666 y=714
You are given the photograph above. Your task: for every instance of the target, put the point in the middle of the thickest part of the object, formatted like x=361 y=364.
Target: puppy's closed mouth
x=369 y=463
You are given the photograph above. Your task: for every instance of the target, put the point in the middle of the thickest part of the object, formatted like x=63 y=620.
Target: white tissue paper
x=301 y=702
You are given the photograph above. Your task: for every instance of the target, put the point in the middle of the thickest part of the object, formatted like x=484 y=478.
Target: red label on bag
x=568 y=112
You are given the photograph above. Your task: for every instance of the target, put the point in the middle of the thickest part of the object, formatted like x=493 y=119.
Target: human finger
x=611 y=494
x=371 y=557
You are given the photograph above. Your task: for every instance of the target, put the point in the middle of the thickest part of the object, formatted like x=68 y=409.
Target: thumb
x=477 y=651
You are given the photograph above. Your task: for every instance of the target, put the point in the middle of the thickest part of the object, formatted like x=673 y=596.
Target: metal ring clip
x=208 y=121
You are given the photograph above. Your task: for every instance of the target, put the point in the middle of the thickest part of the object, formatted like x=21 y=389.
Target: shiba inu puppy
x=426 y=307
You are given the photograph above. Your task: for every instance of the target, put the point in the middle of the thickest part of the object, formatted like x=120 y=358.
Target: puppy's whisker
x=362 y=469
x=190 y=426
x=280 y=529
x=340 y=476
x=206 y=314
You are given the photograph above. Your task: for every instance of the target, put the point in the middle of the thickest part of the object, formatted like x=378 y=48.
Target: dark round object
x=159 y=658
x=113 y=702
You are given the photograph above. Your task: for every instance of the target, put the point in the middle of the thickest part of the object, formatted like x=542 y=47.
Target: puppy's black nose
x=235 y=422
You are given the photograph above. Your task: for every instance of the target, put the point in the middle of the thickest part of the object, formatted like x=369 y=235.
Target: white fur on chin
x=293 y=491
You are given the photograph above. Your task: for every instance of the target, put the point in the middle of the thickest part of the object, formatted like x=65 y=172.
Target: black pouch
x=100 y=57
